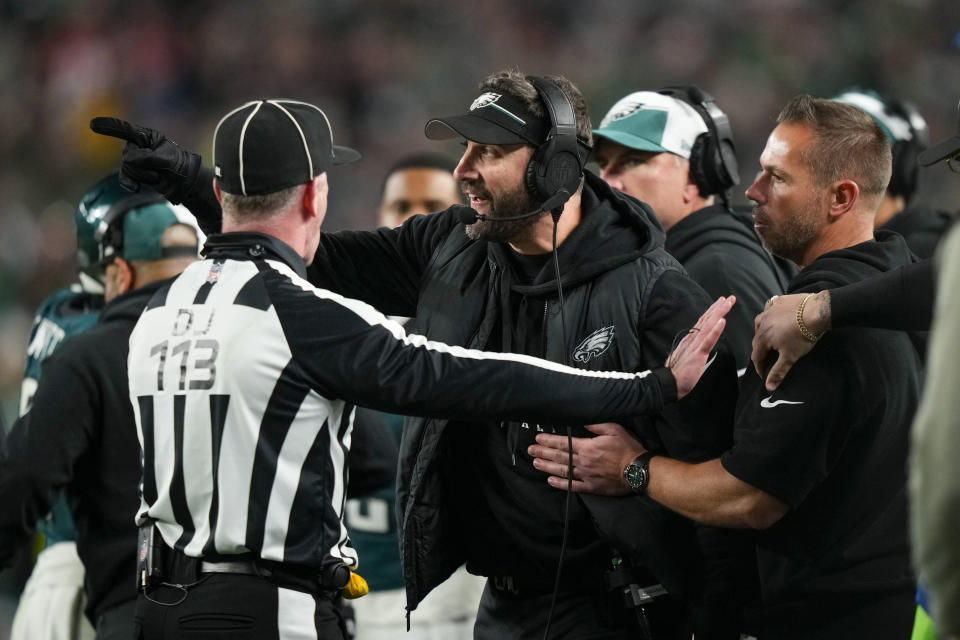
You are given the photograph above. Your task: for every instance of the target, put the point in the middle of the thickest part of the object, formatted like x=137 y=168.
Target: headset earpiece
x=713 y=159
x=557 y=164
x=906 y=169
x=109 y=235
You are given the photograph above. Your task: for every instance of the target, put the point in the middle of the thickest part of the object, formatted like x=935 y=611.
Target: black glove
x=150 y=158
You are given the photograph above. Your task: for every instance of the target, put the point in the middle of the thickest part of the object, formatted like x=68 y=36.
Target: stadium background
x=381 y=68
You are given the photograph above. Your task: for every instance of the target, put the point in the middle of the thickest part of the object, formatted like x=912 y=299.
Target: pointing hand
x=150 y=158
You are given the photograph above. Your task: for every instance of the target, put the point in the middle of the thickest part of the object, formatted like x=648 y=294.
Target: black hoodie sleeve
x=899 y=299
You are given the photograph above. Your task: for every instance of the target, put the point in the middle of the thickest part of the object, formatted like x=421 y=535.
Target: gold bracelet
x=802 y=325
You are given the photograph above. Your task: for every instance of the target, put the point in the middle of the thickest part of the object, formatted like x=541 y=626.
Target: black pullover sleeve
x=382 y=267
x=900 y=299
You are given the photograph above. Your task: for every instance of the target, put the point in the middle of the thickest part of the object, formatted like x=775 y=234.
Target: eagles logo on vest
x=593 y=345
x=485 y=100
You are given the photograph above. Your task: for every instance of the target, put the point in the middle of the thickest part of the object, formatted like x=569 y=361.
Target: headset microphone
x=466 y=215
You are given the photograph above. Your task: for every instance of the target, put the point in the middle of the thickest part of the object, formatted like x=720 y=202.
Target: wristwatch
x=637 y=473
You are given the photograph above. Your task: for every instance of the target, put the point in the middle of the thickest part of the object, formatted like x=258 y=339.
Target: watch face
x=636 y=476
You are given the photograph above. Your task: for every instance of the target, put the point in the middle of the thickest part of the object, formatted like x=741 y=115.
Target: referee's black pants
x=227 y=606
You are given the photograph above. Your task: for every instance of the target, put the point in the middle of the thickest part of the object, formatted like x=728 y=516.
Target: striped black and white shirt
x=243 y=378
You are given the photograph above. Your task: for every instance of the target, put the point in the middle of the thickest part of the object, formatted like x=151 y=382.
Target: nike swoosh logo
x=767 y=404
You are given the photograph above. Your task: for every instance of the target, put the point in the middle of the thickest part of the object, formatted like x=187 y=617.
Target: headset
x=109 y=236
x=906 y=169
x=713 y=160
x=556 y=168
x=553 y=175
x=96 y=218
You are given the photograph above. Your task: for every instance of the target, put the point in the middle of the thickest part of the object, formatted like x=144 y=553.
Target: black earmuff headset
x=906 y=169
x=713 y=159
x=556 y=168
x=553 y=175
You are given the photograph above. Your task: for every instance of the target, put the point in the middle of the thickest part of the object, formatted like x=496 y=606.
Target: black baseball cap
x=493 y=118
x=268 y=145
x=941 y=150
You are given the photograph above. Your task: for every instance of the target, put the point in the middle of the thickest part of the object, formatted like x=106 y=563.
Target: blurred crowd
x=383 y=67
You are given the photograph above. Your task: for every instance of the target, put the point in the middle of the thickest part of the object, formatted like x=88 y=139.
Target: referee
x=243 y=378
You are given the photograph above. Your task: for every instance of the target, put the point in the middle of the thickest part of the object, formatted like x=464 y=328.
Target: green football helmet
x=100 y=206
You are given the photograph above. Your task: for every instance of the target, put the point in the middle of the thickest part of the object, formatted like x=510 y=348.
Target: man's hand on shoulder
x=778 y=328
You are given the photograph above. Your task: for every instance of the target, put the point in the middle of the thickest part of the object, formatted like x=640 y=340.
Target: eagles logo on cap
x=651 y=121
x=507 y=121
x=623 y=109
x=485 y=100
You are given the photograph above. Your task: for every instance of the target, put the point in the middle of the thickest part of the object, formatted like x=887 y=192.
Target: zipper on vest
x=491 y=291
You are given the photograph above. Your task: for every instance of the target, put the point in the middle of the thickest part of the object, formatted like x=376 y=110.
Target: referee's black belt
x=246 y=567
x=299 y=578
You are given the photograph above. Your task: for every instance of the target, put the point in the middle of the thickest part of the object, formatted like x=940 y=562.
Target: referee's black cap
x=493 y=118
x=268 y=145
x=948 y=148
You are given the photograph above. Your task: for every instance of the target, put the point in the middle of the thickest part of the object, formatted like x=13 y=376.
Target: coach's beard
x=512 y=203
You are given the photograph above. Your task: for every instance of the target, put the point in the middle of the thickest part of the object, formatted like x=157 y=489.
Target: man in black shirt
x=900 y=299
x=865 y=304
x=818 y=467
x=80 y=433
x=466 y=490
